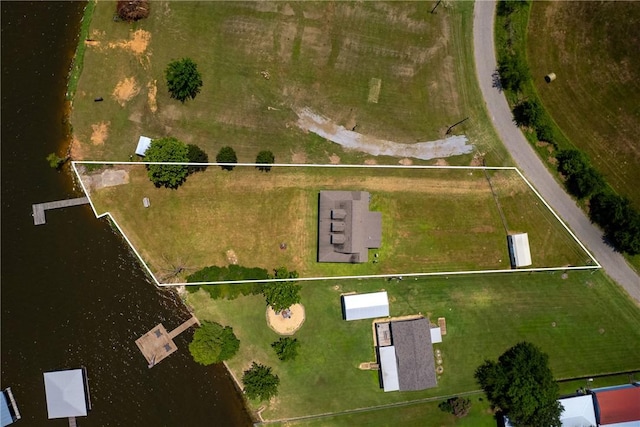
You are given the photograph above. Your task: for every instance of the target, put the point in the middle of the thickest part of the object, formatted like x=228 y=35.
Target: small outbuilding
x=519 y=252
x=67 y=393
x=143 y=145
x=9 y=412
x=578 y=411
x=365 y=306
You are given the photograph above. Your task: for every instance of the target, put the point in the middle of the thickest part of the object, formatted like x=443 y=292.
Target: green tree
x=282 y=295
x=286 y=348
x=227 y=155
x=183 y=79
x=513 y=72
x=259 y=382
x=521 y=384
x=213 y=343
x=527 y=113
x=620 y=221
x=167 y=149
x=265 y=158
x=586 y=183
x=196 y=155
x=571 y=162
x=54 y=161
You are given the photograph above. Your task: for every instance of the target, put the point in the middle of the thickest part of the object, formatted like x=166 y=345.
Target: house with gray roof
x=406 y=360
x=346 y=227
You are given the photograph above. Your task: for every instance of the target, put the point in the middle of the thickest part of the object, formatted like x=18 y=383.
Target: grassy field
x=480 y=415
x=584 y=322
x=321 y=55
x=434 y=220
x=593 y=49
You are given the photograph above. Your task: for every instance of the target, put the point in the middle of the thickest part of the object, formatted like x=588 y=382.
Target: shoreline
x=75 y=71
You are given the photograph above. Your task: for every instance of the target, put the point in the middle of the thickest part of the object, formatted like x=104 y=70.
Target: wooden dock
x=40 y=208
x=186 y=325
x=157 y=344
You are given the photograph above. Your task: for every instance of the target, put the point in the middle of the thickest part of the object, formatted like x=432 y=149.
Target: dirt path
x=530 y=164
x=314 y=122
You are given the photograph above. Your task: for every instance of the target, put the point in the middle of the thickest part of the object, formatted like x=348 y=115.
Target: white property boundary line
x=310 y=279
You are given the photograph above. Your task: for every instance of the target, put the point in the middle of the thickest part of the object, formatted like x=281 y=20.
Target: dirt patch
x=286 y=326
x=125 y=90
x=299 y=157
x=137 y=43
x=441 y=162
x=100 y=133
x=334 y=159
x=370 y=162
x=77 y=151
x=151 y=95
x=406 y=162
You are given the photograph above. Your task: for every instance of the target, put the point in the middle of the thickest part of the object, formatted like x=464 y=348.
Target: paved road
x=529 y=162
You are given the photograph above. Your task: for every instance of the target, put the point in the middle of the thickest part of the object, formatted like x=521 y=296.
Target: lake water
x=72 y=294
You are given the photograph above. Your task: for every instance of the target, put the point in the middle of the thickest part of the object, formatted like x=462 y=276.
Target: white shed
x=578 y=411
x=66 y=393
x=436 y=335
x=143 y=144
x=519 y=250
x=365 y=306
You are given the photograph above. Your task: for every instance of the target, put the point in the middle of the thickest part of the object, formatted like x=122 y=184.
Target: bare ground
x=310 y=121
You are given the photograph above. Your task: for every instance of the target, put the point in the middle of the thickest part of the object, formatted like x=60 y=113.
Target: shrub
x=132 y=10
x=286 y=348
x=266 y=159
x=259 y=382
x=232 y=272
x=227 y=155
x=54 y=161
x=457 y=406
x=196 y=155
x=514 y=72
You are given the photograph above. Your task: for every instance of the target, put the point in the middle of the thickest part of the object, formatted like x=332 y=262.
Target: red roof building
x=618 y=405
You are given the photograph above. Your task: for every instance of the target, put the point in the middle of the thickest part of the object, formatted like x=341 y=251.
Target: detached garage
x=519 y=250
x=365 y=306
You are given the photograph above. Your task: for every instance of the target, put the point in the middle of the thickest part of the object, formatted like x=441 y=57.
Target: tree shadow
x=496 y=82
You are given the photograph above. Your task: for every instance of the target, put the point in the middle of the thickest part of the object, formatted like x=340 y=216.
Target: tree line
x=619 y=220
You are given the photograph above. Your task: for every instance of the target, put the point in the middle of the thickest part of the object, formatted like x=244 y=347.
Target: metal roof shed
x=389 y=368
x=143 y=144
x=8 y=408
x=618 y=406
x=578 y=411
x=66 y=393
x=365 y=306
x=519 y=249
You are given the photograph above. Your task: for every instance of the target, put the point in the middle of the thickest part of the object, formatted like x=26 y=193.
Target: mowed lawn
x=261 y=61
x=583 y=321
x=593 y=49
x=434 y=220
